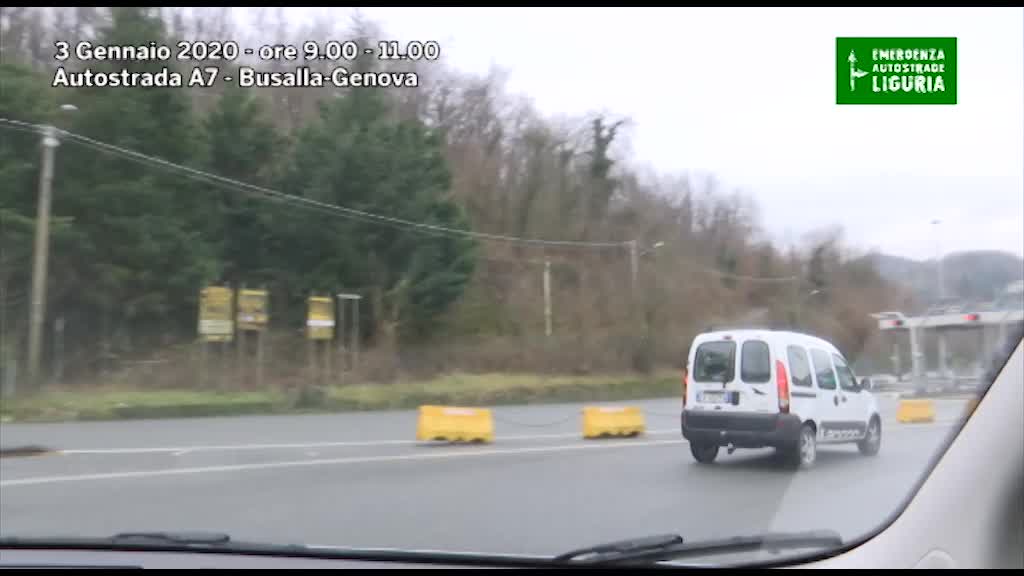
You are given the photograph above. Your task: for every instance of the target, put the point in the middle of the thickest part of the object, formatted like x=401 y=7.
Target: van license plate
x=716 y=397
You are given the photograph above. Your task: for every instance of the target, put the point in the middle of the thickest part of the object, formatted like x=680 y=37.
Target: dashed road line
x=181 y=450
x=40 y=480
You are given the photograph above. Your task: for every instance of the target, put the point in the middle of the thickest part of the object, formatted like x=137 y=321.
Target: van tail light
x=684 y=388
x=782 y=379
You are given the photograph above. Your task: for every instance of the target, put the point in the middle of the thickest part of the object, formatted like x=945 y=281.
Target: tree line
x=133 y=241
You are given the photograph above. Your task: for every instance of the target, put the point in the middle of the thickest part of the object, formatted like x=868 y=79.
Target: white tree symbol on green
x=854 y=72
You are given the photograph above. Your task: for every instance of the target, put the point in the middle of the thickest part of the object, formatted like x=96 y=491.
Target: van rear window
x=715 y=362
x=755 y=362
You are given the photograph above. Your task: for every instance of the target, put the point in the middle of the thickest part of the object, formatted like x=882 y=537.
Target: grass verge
x=118 y=403
x=115 y=403
x=498 y=389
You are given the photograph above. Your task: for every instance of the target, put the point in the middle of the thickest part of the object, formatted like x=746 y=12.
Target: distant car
x=786 y=390
x=876 y=381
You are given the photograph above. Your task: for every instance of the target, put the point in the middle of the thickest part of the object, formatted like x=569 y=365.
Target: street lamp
x=653 y=247
x=940 y=337
x=938 y=261
x=634 y=257
x=41 y=248
x=800 y=303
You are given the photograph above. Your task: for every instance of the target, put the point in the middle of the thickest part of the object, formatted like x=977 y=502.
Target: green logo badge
x=895 y=70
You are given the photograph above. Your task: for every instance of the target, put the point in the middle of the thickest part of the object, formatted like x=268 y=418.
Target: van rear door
x=757 y=377
x=732 y=375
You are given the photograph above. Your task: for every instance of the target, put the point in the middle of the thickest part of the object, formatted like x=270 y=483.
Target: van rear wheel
x=704 y=453
x=805 y=452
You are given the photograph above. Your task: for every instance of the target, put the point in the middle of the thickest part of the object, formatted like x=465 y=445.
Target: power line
x=278 y=197
x=20 y=126
x=340 y=210
x=767 y=279
x=352 y=213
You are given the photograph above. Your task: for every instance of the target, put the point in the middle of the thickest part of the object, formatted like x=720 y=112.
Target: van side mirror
x=865 y=384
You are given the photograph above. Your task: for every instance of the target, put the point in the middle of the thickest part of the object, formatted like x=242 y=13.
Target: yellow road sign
x=252 y=309
x=320 y=319
x=215 y=304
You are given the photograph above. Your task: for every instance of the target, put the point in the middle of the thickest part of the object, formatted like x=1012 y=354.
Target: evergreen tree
x=359 y=157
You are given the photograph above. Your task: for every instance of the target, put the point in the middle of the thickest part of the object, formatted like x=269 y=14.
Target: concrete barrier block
x=604 y=421
x=915 y=411
x=455 y=424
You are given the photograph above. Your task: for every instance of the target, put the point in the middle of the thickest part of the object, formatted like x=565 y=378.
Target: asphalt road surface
x=360 y=479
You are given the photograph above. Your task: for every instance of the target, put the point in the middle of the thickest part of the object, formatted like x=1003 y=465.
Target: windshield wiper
x=176 y=538
x=639 y=550
x=671 y=546
x=159 y=540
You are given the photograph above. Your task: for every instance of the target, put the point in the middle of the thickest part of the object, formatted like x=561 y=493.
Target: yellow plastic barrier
x=600 y=421
x=915 y=411
x=455 y=424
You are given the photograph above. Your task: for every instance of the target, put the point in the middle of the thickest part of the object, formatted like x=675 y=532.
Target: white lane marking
x=905 y=426
x=182 y=450
x=179 y=450
x=328 y=462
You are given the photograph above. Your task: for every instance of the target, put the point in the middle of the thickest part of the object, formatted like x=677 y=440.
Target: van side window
x=799 y=367
x=823 y=369
x=755 y=362
x=715 y=362
x=847 y=381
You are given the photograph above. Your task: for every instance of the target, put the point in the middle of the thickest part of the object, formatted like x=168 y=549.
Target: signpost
x=216 y=304
x=354 y=334
x=320 y=319
x=252 y=316
x=320 y=327
x=252 y=310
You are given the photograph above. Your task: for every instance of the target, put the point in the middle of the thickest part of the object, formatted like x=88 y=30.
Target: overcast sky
x=749 y=95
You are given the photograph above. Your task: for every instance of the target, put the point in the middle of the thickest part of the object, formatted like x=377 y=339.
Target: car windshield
x=433 y=278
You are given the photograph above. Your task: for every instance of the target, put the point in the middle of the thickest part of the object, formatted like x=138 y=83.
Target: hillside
x=979 y=275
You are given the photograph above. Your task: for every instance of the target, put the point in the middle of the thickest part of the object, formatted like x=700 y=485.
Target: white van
x=764 y=388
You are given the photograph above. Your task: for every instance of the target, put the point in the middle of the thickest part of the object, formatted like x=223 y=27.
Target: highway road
x=359 y=479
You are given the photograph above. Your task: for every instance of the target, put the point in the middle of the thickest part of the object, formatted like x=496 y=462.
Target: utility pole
x=938 y=262
x=633 y=268
x=355 y=334
x=796 y=305
x=340 y=338
x=3 y=319
x=939 y=335
x=40 y=254
x=547 y=298
x=58 y=349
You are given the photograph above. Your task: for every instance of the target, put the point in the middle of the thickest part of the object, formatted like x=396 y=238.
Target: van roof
x=770 y=335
